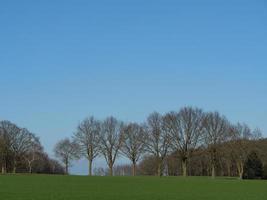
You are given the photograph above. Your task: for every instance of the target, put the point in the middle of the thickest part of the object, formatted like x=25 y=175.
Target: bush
x=253 y=168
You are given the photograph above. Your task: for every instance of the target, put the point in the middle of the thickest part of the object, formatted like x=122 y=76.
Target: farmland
x=48 y=187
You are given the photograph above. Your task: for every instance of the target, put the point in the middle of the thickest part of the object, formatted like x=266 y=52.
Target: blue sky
x=61 y=61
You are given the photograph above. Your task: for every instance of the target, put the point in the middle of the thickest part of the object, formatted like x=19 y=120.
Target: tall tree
x=157 y=141
x=33 y=152
x=67 y=151
x=133 y=143
x=19 y=145
x=22 y=143
x=8 y=133
x=2 y=154
x=88 y=137
x=111 y=139
x=241 y=135
x=186 y=131
x=216 y=132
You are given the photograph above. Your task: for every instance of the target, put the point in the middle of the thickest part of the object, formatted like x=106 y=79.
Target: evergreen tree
x=253 y=168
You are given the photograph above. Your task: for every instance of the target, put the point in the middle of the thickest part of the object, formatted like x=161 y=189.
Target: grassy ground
x=41 y=187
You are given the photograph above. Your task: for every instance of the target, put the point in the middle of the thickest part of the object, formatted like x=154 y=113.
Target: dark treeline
x=186 y=142
x=22 y=152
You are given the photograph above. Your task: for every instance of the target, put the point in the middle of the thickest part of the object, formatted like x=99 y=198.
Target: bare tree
x=9 y=133
x=157 y=140
x=110 y=141
x=88 y=137
x=186 y=131
x=33 y=151
x=216 y=132
x=241 y=136
x=2 y=151
x=22 y=143
x=67 y=151
x=133 y=143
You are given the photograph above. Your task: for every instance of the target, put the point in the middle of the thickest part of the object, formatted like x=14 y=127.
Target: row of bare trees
x=19 y=148
x=227 y=161
x=183 y=133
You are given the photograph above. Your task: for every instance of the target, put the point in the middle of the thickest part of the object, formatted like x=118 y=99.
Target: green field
x=35 y=187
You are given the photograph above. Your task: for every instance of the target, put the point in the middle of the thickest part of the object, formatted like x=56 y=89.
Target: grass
x=45 y=187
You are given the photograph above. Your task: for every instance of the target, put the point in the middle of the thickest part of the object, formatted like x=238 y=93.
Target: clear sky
x=63 y=60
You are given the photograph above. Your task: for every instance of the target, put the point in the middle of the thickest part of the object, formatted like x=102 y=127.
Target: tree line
x=21 y=151
x=191 y=141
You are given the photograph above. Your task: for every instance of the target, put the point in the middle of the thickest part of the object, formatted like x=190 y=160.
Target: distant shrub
x=253 y=168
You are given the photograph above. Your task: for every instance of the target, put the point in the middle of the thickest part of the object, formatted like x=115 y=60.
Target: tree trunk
x=229 y=169
x=110 y=170
x=159 y=166
x=184 y=167
x=67 y=168
x=213 y=171
x=213 y=162
x=90 y=167
x=30 y=167
x=134 y=169
x=15 y=167
x=5 y=166
x=240 y=169
x=159 y=169
x=167 y=168
x=241 y=175
x=3 y=169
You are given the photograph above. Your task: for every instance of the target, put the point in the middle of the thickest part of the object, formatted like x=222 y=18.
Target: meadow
x=48 y=187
